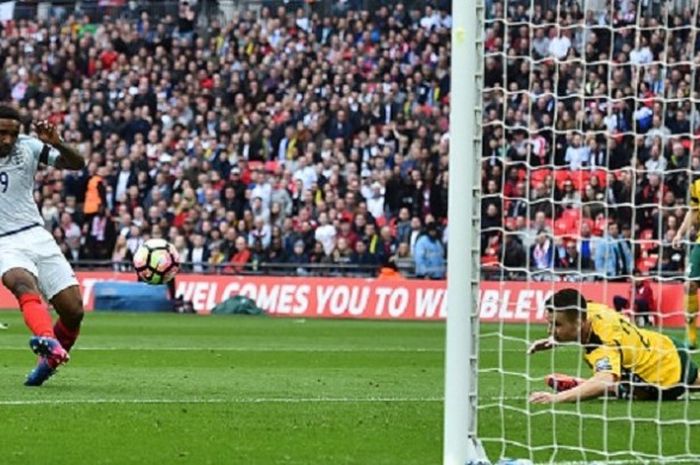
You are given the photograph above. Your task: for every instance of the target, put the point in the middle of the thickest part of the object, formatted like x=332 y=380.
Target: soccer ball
x=156 y=261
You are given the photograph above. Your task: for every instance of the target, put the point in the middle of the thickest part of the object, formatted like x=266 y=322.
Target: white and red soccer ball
x=156 y=261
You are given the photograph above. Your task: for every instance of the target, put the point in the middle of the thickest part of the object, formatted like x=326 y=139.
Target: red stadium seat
x=561 y=226
x=572 y=215
x=602 y=176
x=539 y=175
x=561 y=176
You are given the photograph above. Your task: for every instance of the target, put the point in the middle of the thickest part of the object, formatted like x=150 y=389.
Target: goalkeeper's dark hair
x=10 y=112
x=568 y=301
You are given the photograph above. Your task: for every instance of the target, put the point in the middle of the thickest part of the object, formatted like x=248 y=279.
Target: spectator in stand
x=542 y=253
x=342 y=253
x=121 y=256
x=198 y=255
x=572 y=259
x=613 y=257
x=430 y=254
x=578 y=155
x=325 y=234
x=241 y=257
x=364 y=260
x=514 y=256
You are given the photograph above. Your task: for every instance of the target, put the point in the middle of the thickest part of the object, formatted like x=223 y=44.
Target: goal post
x=461 y=444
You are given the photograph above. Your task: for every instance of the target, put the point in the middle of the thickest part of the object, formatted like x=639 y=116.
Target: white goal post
x=461 y=445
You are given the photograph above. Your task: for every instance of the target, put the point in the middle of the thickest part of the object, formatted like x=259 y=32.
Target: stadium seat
x=572 y=215
x=562 y=226
x=602 y=176
x=539 y=175
x=561 y=176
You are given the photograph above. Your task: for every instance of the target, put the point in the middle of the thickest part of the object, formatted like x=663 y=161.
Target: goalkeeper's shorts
x=694 y=262
x=633 y=387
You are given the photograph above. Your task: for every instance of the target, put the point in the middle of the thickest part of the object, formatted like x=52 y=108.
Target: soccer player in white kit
x=31 y=264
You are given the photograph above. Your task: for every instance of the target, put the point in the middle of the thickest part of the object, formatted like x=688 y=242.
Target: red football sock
x=36 y=315
x=64 y=335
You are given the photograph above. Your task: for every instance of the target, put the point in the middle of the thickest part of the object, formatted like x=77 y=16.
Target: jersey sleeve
x=41 y=152
x=605 y=359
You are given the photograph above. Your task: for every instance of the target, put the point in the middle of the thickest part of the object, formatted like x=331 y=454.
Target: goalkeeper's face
x=564 y=326
x=9 y=131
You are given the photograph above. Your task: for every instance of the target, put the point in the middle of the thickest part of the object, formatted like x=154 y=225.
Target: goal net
x=590 y=143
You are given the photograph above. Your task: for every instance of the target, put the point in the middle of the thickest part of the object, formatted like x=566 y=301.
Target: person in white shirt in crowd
x=375 y=203
x=577 y=154
x=325 y=233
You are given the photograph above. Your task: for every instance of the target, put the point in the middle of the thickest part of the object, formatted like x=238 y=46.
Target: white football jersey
x=18 y=211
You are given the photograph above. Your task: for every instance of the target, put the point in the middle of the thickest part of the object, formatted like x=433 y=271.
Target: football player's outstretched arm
x=70 y=158
x=592 y=388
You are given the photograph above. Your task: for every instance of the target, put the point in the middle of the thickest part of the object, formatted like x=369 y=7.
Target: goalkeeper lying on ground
x=627 y=362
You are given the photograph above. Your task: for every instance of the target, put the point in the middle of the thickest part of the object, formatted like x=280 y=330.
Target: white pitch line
x=240 y=349
x=260 y=400
x=267 y=349
x=622 y=462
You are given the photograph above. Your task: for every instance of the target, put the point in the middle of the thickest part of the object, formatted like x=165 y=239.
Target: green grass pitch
x=185 y=389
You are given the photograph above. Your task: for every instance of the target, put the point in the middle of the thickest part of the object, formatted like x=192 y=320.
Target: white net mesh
x=590 y=147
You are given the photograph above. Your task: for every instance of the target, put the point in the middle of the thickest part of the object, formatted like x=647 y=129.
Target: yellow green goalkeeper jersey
x=617 y=345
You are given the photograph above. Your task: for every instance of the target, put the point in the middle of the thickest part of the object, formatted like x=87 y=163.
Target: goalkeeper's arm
x=690 y=215
x=592 y=388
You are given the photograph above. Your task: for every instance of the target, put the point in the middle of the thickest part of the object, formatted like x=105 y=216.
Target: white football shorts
x=35 y=250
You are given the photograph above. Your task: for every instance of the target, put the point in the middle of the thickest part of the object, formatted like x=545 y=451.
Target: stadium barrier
x=400 y=299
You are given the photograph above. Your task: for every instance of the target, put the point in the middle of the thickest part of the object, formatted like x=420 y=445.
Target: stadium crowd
x=284 y=137
x=590 y=137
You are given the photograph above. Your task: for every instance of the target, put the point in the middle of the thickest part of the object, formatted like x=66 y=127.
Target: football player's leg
x=21 y=281
x=68 y=303
x=59 y=284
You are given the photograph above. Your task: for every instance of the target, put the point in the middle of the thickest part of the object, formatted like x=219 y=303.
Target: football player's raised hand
x=47 y=132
